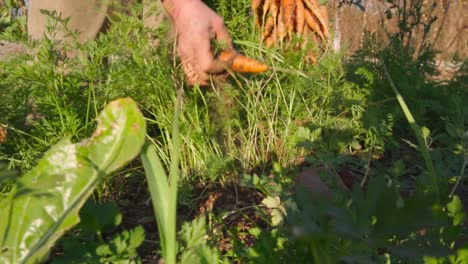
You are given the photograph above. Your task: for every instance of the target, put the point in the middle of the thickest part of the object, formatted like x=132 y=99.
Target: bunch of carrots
x=282 y=19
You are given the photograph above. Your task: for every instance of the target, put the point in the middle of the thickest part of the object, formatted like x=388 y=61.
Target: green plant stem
x=174 y=181
x=163 y=190
x=366 y=174
x=320 y=255
x=462 y=172
x=57 y=105
x=88 y=106
x=159 y=191
x=417 y=131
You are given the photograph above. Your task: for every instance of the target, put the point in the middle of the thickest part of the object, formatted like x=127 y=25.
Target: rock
x=310 y=179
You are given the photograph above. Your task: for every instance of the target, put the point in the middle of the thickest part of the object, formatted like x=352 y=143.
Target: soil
x=241 y=202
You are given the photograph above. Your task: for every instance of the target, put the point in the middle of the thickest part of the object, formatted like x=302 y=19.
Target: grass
x=340 y=113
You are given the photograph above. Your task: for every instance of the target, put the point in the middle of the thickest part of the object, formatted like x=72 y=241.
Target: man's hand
x=196 y=25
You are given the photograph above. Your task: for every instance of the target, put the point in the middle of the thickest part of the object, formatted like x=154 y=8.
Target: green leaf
x=272 y=202
x=45 y=202
x=452 y=130
x=6 y=174
x=163 y=189
x=303 y=132
x=125 y=244
x=278 y=211
x=194 y=244
x=193 y=234
x=425 y=132
x=160 y=193
x=455 y=208
x=99 y=218
x=209 y=255
x=459 y=257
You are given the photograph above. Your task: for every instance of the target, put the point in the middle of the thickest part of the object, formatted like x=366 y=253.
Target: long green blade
x=159 y=190
x=424 y=149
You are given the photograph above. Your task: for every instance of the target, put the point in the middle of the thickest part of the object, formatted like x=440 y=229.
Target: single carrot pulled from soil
x=241 y=63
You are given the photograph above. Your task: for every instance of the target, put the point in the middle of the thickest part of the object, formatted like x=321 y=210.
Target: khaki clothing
x=88 y=17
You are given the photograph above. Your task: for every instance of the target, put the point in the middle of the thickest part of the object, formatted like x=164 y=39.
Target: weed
x=88 y=241
x=13 y=20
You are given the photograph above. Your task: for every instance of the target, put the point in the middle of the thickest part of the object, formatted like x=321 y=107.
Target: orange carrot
x=257 y=12
x=275 y=6
x=305 y=40
x=281 y=28
x=313 y=24
x=240 y=63
x=256 y=4
x=268 y=28
x=3 y=134
x=326 y=24
x=266 y=7
x=269 y=41
x=315 y=9
x=287 y=9
x=311 y=58
x=300 y=19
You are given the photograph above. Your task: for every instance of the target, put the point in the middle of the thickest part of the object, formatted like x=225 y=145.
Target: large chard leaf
x=45 y=202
